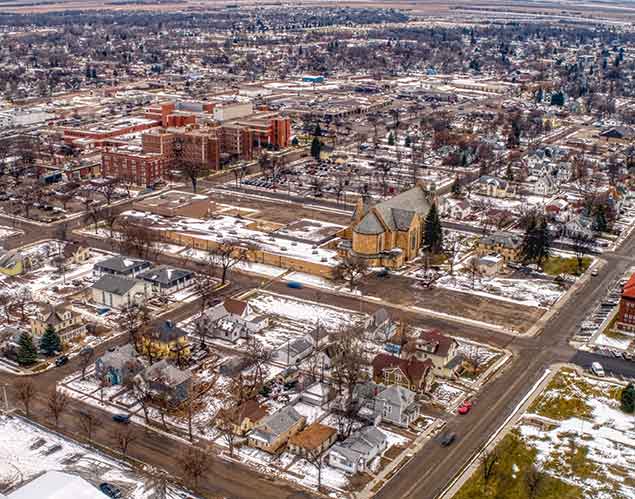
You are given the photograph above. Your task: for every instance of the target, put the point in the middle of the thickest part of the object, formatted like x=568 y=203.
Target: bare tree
x=474 y=270
x=125 y=438
x=60 y=265
x=317 y=460
x=194 y=464
x=488 y=465
x=581 y=244
x=140 y=391
x=534 y=480
x=56 y=404
x=350 y=269
x=138 y=239
x=156 y=483
x=25 y=391
x=226 y=255
x=258 y=356
x=87 y=423
x=108 y=188
x=21 y=299
x=6 y=300
x=226 y=421
x=85 y=356
x=192 y=171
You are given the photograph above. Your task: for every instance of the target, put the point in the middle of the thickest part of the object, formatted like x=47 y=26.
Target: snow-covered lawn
x=530 y=292
x=291 y=317
x=446 y=394
x=27 y=451
x=582 y=436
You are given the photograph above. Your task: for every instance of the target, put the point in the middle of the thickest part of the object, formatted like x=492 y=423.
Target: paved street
x=428 y=473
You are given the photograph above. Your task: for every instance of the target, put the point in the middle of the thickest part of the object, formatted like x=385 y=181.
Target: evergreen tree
x=536 y=246
x=456 y=187
x=600 y=224
x=627 y=399
x=50 y=342
x=509 y=173
x=316 y=147
x=557 y=99
x=407 y=142
x=318 y=130
x=295 y=141
x=543 y=241
x=528 y=249
x=433 y=231
x=539 y=95
x=27 y=353
x=391 y=139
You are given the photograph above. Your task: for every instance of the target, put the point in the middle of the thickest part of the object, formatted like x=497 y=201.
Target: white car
x=597 y=369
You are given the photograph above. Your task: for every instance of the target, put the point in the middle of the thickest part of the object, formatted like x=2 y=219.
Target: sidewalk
x=472 y=465
x=401 y=460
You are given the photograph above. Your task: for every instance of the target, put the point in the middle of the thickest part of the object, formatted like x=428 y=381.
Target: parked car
x=447 y=439
x=121 y=418
x=110 y=490
x=595 y=272
x=61 y=360
x=465 y=407
x=597 y=369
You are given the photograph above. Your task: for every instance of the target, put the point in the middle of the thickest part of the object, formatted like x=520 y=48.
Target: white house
x=232 y=319
x=293 y=351
x=119 y=292
x=354 y=454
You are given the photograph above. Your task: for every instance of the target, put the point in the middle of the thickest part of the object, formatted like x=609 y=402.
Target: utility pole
x=6 y=399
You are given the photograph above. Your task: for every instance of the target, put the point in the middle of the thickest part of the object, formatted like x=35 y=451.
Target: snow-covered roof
x=57 y=485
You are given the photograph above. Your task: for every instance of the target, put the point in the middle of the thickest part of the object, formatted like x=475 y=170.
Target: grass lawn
x=513 y=476
x=556 y=265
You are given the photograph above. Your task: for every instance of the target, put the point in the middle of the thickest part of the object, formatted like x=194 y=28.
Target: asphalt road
x=430 y=470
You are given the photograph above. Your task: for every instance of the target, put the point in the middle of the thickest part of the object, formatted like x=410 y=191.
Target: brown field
x=622 y=11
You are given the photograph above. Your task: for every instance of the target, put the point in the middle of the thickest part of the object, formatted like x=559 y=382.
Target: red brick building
x=626 y=312
x=136 y=167
x=97 y=135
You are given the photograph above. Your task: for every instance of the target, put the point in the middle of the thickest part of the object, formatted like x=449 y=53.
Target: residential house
x=491 y=265
x=456 y=209
x=411 y=373
x=626 y=312
x=75 y=253
x=397 y=405
x=165 y=379
x=618 y=132
x=433 y=345
x=546 y=185
x=313 y=440
x=354 y=454
x=118 y=366
x=121 y=266
x=275 y=430
x=232 y=319
x=506 y=244
x=118 y=292
x=67 y=324
x=381 y=325
x=233 y=366
x=496 y=187
x=294 y=350
x=13 y=262
x=166 y=340
x=318 y=394
x=165 y=280
x=580 y=226
x=389 y=233
x=244 y=417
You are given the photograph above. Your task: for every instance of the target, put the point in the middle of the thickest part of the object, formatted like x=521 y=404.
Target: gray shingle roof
x=164 y=275
x=122 y=265
x=396 y=213
x=279 y=422
x=115 y=284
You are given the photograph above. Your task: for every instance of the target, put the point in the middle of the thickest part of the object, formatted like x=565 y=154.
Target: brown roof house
x=67 y=324
x=275 y=430
x=433 y=345
x=244 y=417
x=313 y=440
x=75 y=253
x=232 y=319
x=413 y=374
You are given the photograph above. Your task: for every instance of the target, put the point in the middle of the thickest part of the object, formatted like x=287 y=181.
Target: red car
x=465 y=407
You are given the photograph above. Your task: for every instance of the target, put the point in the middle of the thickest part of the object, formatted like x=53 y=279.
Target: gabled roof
x=249 y=409
x=236 y=307
x=313 y=436
x=398 y=396
x=414 y=369
x=277 y=423
x=440 y=343
x=167 y=332
x=118 y=358
x=505 y=239
x=166 y=373
x=396 y=213
x=629 y=288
